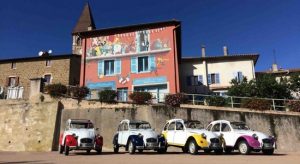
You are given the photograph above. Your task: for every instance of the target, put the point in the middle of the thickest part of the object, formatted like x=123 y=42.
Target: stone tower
x=84 y=23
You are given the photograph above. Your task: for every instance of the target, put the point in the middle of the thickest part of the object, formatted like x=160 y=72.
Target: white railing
x=14 y=92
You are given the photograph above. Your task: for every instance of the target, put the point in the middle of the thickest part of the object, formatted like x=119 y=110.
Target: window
x=125 y=126
x=239 y=77
x=143 y=65
x=225 y=128
x=47 y=78
x=12 y=81
x=179 y=126
x=172 y=126
x=216 y=127
x=13 y=65
x=109 y=67
x=48 y=63
x=195 y=80
x=213 y=78
x=143 y=40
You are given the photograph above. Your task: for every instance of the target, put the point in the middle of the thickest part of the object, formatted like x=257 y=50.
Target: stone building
x=16 y=74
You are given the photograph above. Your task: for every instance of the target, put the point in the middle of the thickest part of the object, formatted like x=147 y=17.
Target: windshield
x=140 y=125
x=193 y=125
x=81 y=125
x=239 y=126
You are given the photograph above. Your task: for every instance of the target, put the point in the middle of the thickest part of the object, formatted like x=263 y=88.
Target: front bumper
x=83 y=146
x=151 y=146
x=215 y=146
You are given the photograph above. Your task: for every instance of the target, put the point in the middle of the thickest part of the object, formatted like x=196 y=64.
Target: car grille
x=267 y=140
x=214 y=140
x=151 y=140
x=86 y=140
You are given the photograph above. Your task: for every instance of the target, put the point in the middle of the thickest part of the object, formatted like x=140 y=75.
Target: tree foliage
x=265 y=86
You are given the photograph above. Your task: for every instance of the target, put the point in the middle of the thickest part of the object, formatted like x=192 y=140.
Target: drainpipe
x=175 y=57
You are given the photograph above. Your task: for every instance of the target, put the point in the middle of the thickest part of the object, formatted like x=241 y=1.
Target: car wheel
x=99 y=150
x=193 y=147
x=61 y=149
x=67 y=149
x=218 y=151
x=116 y=148
x=131 y=147
x=243 y=147
x=268 y=151
x=140 y=150
x=88 y=151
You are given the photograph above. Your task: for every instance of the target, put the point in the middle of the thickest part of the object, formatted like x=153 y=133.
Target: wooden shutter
x=17 y=81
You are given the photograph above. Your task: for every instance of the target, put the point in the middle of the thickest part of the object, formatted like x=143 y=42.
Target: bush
x=107 y=96
x=215 y=101
x=56 y=90
x=175 y=99
x=294 y=106
x=257 y=104
x=140 y=97
x=79 y=92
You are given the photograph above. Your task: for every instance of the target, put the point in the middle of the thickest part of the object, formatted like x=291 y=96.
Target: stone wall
x=27 y=126
x=285 y=126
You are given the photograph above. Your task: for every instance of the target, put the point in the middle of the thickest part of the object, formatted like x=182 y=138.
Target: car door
x=216 y=128
x=125 y=133
x=120 y=132
x=170 y=133
x=228 y=134
x=179 y=134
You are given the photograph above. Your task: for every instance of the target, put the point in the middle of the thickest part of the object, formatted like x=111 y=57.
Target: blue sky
x=245 y=26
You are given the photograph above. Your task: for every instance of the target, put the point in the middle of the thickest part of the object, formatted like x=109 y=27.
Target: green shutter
x=133 y=65
x=152 y=64
x=100 y=67
x=117 y=66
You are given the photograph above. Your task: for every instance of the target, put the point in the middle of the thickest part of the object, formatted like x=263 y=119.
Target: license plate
x=87 y=145
x=268 y=145
x=151 y=144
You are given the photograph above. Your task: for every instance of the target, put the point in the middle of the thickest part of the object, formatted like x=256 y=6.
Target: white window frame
x=148 y=70
x=51 y=78
x=104 y=67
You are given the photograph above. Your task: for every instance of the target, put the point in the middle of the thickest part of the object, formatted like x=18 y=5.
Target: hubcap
x=243 y=148
x=192 y=147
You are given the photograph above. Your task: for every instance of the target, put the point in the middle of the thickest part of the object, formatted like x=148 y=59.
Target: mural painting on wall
x=127 y=43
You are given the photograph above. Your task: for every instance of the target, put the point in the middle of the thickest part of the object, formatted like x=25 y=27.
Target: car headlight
x=255 y=136
x=203 y=135
x=140 y=135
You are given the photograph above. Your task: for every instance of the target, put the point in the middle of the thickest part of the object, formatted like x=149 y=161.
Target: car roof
x=134 y=121
x=222 y=121
x=175 y=119
x=80 y=120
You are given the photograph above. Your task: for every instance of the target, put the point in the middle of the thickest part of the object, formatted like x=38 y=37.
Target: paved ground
x=172 y=157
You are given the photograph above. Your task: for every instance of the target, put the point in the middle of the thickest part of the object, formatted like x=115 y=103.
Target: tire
x=131 y=147
x=228 y=150
x=67 y=149
x=193 y=147
x=243 y=148
x=184 y=149
x=88 y=151
x=61 y=149
x=140 y=150
x=116 y=148
x=99 y=150
x=162 y=151
x=268 y=151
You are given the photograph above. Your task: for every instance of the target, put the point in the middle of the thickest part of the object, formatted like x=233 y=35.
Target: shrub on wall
x=56 y=90
x=140 y=97
x=175 y=99
x=108 y=96
x=257 y=104
x=293 y=105
x=215 y=101
x=79 y=92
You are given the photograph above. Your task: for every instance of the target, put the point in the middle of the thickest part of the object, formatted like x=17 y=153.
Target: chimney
x=225 y=51
x=203 y=51
x=274 y=67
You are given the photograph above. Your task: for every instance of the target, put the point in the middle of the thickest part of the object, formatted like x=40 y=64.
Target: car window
x=179 y=126
x=125 y=126
x=120 y=127
x=166 y=126
x=209 y=127
x=171 y=126
x=225 y=127
x=216 y=128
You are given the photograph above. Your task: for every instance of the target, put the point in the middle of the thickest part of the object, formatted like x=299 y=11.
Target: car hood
x=206 y=132
x=82 y=133
x=147 y=133
x=251 y=132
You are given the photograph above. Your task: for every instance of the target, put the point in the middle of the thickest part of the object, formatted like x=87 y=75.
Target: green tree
x=294 y=82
